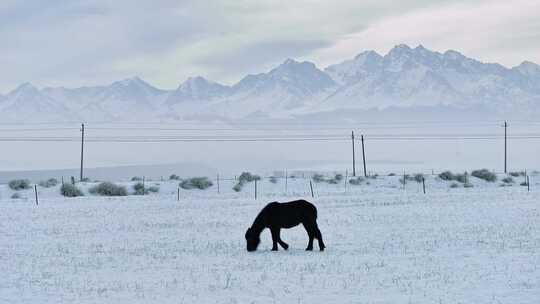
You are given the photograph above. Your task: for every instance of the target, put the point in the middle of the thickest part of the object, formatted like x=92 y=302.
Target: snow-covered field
x=384 y=245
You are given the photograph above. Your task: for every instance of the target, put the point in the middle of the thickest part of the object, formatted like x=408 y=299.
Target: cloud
x=73 y=43
x=507 y=32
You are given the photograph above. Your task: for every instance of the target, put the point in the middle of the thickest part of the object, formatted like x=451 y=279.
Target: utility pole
x=364 y=156
x=505 y=145
x=353 y=157
x=82 y=150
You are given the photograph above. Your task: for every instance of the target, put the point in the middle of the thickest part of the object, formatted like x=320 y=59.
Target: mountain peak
x=451 y=54
x=529 y=64
x=25 y=88
x=401 y=48
x=528 y=68
x=196 y=88
x=293 y=66
x=289 y=61
x=196 y=80
x=132 y=81
x=132 y=87
x=367 y=54
x=197 y=83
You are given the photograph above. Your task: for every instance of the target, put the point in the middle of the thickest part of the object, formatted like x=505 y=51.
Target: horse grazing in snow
x=284 y=215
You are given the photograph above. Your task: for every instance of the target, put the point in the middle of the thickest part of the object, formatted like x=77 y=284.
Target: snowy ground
x=385 y=245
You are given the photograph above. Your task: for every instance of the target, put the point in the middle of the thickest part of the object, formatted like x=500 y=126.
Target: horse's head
x=252 y=240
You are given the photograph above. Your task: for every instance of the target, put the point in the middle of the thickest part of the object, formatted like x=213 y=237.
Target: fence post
x=286 y=180
x=424 y=184
x=528 y=184
x=143 y=185
x=353 y=155
x=82 y=152
x=311 y=187
x=178 y=197
x=218 y=183
x=505 y=145
x=363 y=155
x=255 y=189
x=346 y=178
x=35 y=191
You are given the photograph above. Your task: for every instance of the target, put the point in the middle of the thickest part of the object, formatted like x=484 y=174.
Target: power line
x=35 y=129
x=167 y=140
x=282 y=123
x=157 y=139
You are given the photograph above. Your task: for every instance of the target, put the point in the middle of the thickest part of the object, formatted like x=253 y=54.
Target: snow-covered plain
x=385 y=245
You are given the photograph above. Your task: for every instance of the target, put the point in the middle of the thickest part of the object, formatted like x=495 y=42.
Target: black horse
x=284 y=215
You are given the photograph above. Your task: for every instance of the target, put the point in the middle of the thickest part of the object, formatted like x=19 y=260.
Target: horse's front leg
x=275 y=238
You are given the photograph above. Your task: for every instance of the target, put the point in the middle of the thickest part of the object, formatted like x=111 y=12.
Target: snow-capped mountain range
x=404 y=80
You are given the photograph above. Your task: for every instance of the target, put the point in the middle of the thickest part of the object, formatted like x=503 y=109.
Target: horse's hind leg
x=276 y=239
x=311 y=233
x=318 y=235
x=281 y=242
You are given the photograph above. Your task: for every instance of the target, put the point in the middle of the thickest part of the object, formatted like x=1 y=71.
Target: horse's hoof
x=309 y=249
x=322 y=249
x=274 y=249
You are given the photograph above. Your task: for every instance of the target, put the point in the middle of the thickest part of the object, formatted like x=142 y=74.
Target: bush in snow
x=462 y=178
x=318 y=178
x=508 y=180
x=153 y=189
x=70 y=190
x=247 y=177
x=174 y=177
x=51 y=182
x=517 y=174
x=244 y=178
x=108 y=189
x=332 y=181
x=139 y=189
x=454 y=185
x=484 y=174
x=19 y=184
x=238 y=187
x=447 y=176
x=337 y=178
x=196 y=183
x=136 y=179
x=356 y=181
x=273 y=179
x=524 y=184
x=392 y=174
x=419 y=177
x=16 y=196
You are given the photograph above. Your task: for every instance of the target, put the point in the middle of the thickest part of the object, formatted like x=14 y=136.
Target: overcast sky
x=87 y=42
